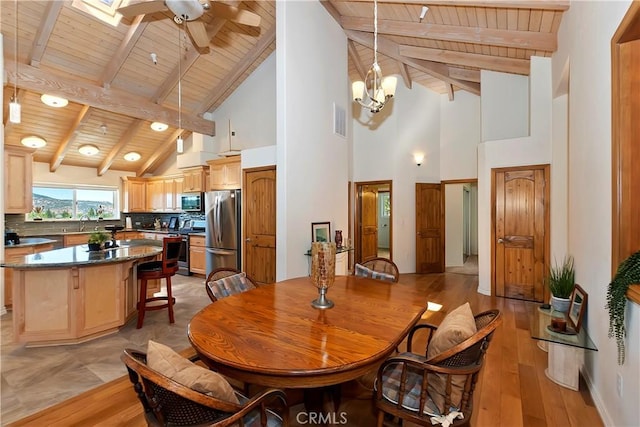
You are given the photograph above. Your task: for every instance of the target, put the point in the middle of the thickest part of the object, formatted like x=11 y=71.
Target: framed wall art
x=320 y=232
x=577 y=307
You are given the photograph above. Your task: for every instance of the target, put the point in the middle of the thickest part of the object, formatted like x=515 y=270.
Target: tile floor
x=35 y=378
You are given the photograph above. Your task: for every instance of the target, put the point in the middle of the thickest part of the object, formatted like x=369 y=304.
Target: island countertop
x=81 y=256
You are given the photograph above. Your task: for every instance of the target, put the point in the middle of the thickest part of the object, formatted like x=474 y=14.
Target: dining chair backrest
x=386 y=269
x=216 y=287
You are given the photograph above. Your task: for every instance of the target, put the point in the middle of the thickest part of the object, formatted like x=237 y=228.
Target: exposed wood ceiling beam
x=464 y=74
x=404 y=72
x=237 y=71
x=355 y=58
x=119 y=147
x=454 y=33
x=162 y=152
x=486 y=62
x=180 y=69
x=136 y=29
x=559 y=5
x=391 y=49
x=58 y=157
x=113 y=100
x=45 y=29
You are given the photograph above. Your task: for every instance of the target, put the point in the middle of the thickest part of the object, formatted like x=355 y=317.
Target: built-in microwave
x=192 y=202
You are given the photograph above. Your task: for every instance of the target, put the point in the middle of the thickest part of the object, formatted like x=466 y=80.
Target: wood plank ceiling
x=107 y=73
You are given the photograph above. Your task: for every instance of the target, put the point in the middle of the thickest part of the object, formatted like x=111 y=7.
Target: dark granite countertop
x=30 y=241
x=80 y=255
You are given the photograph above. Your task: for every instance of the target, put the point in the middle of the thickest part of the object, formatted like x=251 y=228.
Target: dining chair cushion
x=361 y=270
x=391 y=381
x=230 y=285
x=167 y=362
x=457 y=326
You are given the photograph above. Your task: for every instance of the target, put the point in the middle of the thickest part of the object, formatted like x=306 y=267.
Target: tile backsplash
x=17 y=223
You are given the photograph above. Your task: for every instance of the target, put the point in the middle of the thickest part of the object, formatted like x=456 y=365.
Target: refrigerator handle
x=220 y=251
x=218 y=221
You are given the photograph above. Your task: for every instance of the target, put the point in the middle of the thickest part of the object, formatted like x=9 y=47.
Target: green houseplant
x=96 y=240
x=561 y=281
x=628 y=273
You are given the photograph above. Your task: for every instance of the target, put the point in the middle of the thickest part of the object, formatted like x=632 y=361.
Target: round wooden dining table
x=272 y=336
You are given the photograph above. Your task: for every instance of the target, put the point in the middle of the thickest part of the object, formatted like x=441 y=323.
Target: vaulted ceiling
x=107 y=73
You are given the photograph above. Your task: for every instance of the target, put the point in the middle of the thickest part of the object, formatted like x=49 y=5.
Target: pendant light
x=179 y=141
x=14 y=106
x=374 y=92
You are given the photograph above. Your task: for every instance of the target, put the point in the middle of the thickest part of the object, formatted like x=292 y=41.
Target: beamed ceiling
x=108 y=76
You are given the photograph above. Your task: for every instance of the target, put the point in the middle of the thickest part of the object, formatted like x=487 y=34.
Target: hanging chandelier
x=374 y=92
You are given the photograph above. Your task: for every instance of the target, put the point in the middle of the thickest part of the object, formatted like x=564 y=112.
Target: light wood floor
x=512 y=391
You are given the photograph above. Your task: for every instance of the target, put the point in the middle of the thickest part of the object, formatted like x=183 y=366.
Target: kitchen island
x=71 y=295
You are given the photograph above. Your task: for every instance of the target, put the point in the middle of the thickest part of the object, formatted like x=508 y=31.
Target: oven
x=183 y=259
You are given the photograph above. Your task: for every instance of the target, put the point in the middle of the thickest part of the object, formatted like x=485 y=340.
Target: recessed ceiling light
x=53 y=101
x=159 y=126
x=132 y=156
x=89 y=150
x=33 y=141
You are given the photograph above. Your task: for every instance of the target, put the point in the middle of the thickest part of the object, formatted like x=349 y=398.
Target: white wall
x=460 y=134
x=384 y=148
x=77 y=175
x=505 y=112
x=528 y=150
x=585 y=41
x=312 y=168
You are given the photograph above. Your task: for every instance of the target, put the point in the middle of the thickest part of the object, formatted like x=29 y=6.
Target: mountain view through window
x=52 y=203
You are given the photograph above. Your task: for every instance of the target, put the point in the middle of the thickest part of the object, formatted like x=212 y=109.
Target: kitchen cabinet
x=155 y=195
x=134 y=194
x=16 y=254
x=75 y=239
x=225 y=174
x=18 y=179
x=194 y=179
x=197 y=256
x=172 y=191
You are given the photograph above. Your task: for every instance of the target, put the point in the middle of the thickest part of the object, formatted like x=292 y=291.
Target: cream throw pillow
x=164 y=360
x=456 y=327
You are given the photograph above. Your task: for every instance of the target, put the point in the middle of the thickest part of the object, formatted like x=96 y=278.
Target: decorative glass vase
x=323 y=271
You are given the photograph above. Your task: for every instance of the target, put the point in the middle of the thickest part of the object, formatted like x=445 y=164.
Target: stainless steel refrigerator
x=222 y=209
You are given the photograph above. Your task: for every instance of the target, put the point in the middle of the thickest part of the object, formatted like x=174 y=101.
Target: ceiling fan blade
x=142 y=8
x=234 y=14
x=198 y=33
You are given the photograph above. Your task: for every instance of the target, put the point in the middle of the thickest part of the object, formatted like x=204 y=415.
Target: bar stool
x=163 y=269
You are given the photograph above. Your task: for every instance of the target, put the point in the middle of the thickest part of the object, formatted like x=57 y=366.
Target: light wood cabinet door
x=194 y=179
x=18 y=179
x=75 y=239
x=135 y=195
x=155 y=195
x=16 y=254
x=197 y=255
x=225 y=174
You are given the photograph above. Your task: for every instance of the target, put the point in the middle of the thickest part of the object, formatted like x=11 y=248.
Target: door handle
x=248 y=239
x=500 y=240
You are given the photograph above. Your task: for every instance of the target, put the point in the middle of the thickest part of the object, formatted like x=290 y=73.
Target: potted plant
x=96 y=240
x=561 y=281
x=628 y=273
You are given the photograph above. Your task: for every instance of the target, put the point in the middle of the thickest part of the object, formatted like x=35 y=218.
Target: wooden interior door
x=520 y=231
x=259 y=216
x=429 y=228
x=369 y=223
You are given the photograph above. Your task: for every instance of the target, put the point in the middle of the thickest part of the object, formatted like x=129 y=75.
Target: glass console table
x=565 y=351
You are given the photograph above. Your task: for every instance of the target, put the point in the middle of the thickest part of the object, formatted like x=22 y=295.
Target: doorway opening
x=461 y=226
x=373 y=220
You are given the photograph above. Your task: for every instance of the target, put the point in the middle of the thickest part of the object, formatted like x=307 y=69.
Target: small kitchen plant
x=96 y=240
x=627 y=274
x=561 y=281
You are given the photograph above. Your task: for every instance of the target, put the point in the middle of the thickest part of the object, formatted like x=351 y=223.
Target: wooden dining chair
x=441 y=385
x=226 y=281
x=167 y=402
x=378 y=268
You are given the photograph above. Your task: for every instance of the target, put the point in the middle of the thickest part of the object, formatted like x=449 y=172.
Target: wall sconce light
x=418 y=157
